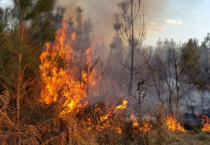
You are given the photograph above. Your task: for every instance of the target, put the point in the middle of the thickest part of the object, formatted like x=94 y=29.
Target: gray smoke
x=101 y=12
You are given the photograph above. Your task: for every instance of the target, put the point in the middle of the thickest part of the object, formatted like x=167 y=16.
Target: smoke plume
x=101 y=14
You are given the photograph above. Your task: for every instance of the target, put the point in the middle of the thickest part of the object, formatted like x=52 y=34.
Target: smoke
x=69 y=5
x=101 y=13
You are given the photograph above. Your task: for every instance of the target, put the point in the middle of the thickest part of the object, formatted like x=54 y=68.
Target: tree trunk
x=18 y=89
x=170 y=100
x=87 y=87
x=19 y=72
x=132 y=50
x=177 y=91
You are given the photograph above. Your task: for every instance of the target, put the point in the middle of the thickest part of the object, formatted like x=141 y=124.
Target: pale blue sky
x=193 y=17
x=5 y=2
x=176 y=19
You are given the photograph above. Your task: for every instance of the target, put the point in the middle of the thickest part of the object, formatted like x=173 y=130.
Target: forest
x=58 y=86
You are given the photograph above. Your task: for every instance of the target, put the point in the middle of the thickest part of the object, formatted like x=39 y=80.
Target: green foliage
x=33 y=10
x=190 y=58
x=24 y=29
x=42 y=31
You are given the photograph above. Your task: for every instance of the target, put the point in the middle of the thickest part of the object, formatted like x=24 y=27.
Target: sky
x=179 y=20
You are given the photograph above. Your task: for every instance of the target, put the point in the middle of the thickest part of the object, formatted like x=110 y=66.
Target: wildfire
x=146 y=126
x=135 y=122
x=123 y=106
x=58 y=71
x=119 y=130
x=173 y=125
x=106 y=122
x=120 y=107
x=60 y=83
x=206 y=123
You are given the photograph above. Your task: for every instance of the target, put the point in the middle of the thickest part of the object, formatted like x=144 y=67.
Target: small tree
x=125 y=24
x=24 y=35
x=142 y=92
x=173 y=72
x=182 y=67
x=190 y=60
x=82 y=41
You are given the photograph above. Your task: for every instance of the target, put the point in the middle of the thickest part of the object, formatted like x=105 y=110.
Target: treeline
x=172 y=70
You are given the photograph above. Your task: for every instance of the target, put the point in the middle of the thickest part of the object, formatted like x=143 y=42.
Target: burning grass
x=206 y=123
x=173 y=125
x=81 y=126
x=84 y=125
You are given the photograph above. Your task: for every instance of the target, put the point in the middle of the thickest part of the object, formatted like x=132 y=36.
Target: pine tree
x=126 y=23
x=190 y=58
x=82 y=41
x=25 y=31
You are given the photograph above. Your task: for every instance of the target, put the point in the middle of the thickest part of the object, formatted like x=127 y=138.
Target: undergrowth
x=43 y=124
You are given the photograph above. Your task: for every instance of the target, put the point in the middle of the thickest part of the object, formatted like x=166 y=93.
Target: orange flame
x=108 y=122
x=206 y=123
x=119 y=130
x=173 y=125
x=58 y=76
x=123 y=106
x=135 y=122
x=196 y=113
x=120 y=107
x=146 y=126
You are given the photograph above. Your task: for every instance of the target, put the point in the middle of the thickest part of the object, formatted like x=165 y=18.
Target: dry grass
x=76 y=128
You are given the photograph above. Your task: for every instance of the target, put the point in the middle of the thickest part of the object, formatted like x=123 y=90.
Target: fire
x=123 y=106
x=173 y=125
x=88 y=54
x=146 y=126
x=135 y=122
x=120 y=107
x=196 y=113
x=73 y=35
x=58 y=71
x=106 y=121
x=119 y=130
x=206 y=123
x=60 y=83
